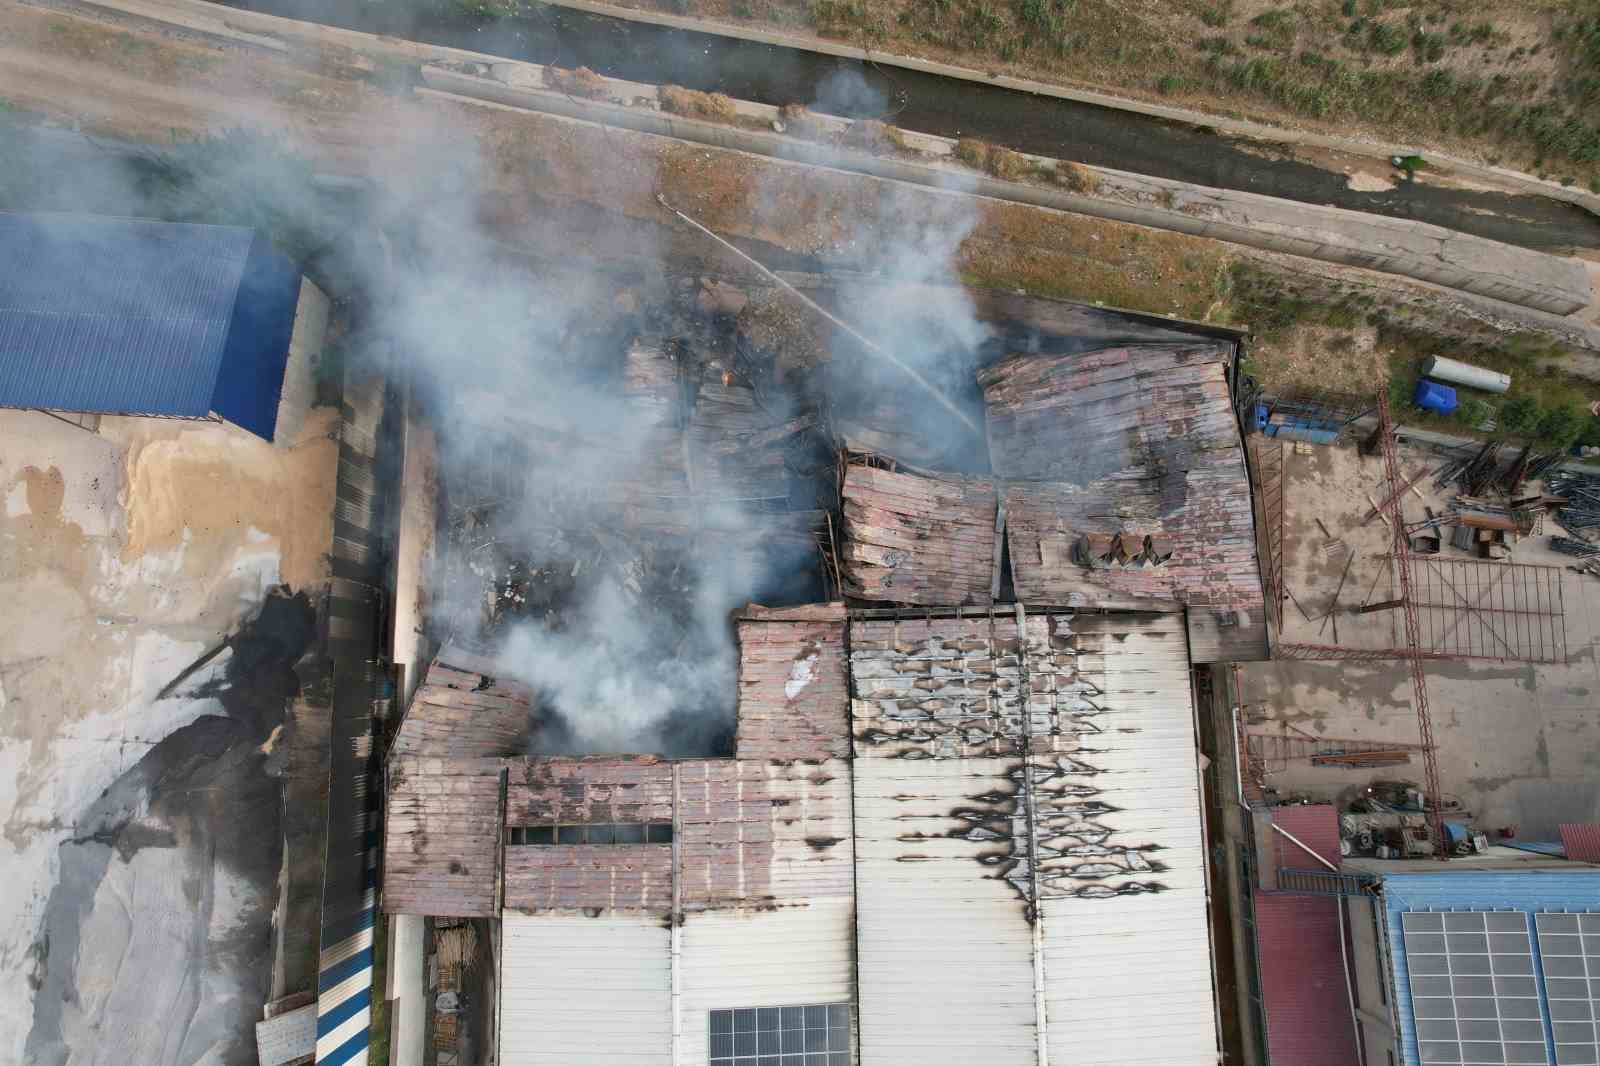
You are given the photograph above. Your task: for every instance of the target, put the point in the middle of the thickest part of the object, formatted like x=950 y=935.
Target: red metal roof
x=1303 y=992
x=793 y=697
x=1581 y=841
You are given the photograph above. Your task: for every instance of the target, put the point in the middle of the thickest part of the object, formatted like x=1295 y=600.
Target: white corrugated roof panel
x=1127 y=954
x=790 y=956
x=946 y=953
x=945 y=949
x=577 y=991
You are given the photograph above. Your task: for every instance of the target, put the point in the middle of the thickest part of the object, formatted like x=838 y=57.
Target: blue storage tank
x=1432 y=396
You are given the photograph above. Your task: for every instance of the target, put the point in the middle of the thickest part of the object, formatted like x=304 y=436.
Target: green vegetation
x=1547 y=404
x=1411 y=68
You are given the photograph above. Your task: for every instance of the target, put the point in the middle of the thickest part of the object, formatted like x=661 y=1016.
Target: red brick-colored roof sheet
x=1304 y=1000
x=441 y=850
x=618 y=877
x=463 y=708
x=793 y=696
x=624 y=790
x=1581 y=841
x=748 y=833
x=1139 y=438
x=913 y=538
x=755 y=833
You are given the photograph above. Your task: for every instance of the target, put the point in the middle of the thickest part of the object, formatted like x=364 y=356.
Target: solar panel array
x=1473 y=990
x=1569 y=960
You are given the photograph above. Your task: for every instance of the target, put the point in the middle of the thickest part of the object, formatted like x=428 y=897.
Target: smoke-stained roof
x=792 y=684
x=1095 y=836
x=1120 y=482
x=1140 y=440
x=1030 y=808
x=463 y=709
x=923 y=539
x=442 y=832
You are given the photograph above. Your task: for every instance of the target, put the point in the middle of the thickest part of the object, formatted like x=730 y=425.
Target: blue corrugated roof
x=1527 y=890
x=130 y=316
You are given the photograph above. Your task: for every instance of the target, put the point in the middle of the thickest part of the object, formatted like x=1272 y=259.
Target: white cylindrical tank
x=1475 y=377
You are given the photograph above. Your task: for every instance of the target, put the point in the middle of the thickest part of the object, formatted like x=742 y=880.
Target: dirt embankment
x=1503 y=80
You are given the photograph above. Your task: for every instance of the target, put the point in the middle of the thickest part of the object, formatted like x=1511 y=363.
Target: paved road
x=947 y=107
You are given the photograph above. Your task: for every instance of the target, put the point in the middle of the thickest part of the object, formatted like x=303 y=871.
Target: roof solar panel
x=1569 y=960
x=1472 y=989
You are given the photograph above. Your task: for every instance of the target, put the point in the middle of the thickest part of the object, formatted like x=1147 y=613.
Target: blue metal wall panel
x=1531 y=891
x=250 y=381
x=123 y=315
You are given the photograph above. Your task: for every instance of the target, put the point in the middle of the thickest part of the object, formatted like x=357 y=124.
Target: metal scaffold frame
x=1270 y=460
x=1408 y=606
x=1482 y=609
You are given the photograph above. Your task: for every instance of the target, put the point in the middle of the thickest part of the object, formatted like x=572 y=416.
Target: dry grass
x=1076 y=177
x=694 y=104
x=581 y=82
x=799 y=121
x=1008 y=165
x=1516 y=79
x=973 y=152
x=873 y=136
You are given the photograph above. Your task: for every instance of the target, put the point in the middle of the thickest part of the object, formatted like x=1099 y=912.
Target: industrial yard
x=516 y=564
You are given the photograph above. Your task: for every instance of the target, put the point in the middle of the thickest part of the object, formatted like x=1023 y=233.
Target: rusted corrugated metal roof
x=441 y=852
x=747 y=833
x=1139 y=439
x=1581 y=841
x=616 y=878
x=616 y=789
x=463 y=709
x=912 y=538
x=756 y=833
x=793 y=702
x=1304 y=998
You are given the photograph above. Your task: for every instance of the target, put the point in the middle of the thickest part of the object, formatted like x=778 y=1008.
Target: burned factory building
x=778 y=715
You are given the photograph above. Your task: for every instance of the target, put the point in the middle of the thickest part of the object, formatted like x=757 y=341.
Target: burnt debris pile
x=680 y=454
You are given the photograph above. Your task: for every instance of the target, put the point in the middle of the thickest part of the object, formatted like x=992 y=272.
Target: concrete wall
x=300 y=370
x=1371 y=982
x=407 y=992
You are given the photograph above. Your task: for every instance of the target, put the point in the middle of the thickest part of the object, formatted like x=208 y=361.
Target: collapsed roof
x=1119 y=483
